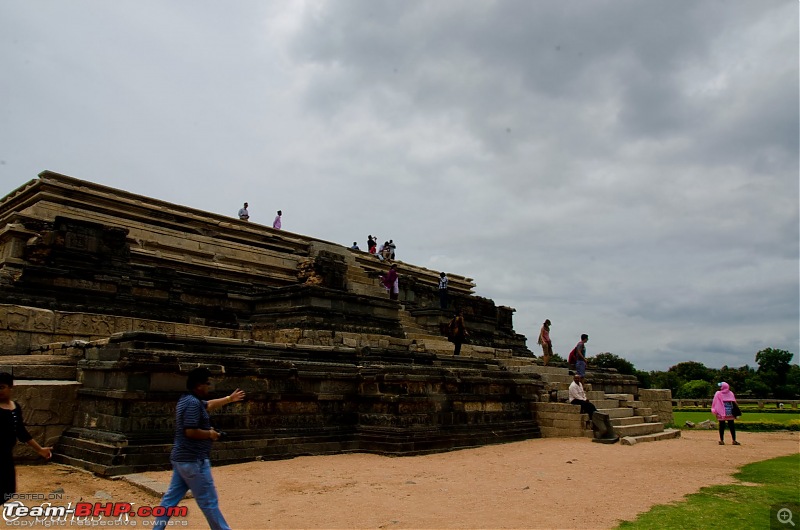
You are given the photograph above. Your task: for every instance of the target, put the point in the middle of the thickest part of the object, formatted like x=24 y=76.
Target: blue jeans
x=195 y=476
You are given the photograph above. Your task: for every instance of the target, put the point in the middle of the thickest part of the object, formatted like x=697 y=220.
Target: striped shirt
x=190 y=413
x=443 y=282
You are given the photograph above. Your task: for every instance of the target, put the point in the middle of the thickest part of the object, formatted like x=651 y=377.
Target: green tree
x=791 y=390
x=667 y=379
x=609 y=360
x=773 y=365
x=692 y=371
x=758 y=387
x=735 y=377
x=696 y=389
x=645 y=380
x=557 y=358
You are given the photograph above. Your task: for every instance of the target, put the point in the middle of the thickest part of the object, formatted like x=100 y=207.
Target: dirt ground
x=530 y=484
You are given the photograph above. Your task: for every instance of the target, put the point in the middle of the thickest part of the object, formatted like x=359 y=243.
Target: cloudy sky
x=625 y=168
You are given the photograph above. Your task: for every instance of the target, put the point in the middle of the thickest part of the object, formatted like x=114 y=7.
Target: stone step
x=517 y=362
x=552 y=370
x=639 y=429
x=631 y=420
x=623 y=412
x=621 y=397
x=643 y=411
x=50 y=367
x=605 y=403
x=667 y=434
x=550 y=378
x=598 y=395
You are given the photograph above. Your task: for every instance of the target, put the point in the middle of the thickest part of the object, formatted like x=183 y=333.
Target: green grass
x=733 y=506
x=760 y=420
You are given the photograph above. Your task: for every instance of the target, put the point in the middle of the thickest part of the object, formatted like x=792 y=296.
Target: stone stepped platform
x=41 y=367
x=633 y=420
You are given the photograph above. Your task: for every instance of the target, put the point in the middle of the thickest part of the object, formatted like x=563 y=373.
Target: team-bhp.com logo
x=46 y=515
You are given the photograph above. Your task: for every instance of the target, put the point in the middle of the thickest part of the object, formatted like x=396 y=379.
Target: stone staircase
x=633 y=421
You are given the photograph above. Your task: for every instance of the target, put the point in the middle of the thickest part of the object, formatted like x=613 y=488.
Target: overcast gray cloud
x=627 y=169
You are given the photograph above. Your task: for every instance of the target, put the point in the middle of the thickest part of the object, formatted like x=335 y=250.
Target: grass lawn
x=771 y=485
x=680 y=417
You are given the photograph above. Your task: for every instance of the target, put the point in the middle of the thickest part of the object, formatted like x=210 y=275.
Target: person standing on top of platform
x=580 y=355
x=276 y=224
x=545 y=342
x=244 y=215
x=443 y=281
x=371 y=244
x=457 y=331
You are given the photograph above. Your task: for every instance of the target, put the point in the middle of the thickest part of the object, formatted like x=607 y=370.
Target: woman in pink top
x=723 y=407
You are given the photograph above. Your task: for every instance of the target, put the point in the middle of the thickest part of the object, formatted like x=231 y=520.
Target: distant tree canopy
x=775 y=376
x=696 y=389
x=691 y=371
x=609 y=360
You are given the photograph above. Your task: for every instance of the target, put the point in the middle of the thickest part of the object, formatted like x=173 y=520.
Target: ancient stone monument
x=124 y=294
x=121 y=295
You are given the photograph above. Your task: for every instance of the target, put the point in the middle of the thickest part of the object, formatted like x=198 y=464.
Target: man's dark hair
x=6 y=379
x=584 y=336
x=198 y=376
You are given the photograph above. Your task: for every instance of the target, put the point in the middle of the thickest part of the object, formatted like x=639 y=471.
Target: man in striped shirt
x=191 y=468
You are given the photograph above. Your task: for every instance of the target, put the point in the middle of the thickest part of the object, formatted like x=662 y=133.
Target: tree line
x=774 y=377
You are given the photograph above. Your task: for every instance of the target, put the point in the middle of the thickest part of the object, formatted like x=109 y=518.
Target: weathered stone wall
x=561 y=420
x=30 y=329
x=300 y=399
x=47 y=408
x=660 y=400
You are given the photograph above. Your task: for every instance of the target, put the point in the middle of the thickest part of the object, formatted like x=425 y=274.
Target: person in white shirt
x=244 y=215
x=577 y=396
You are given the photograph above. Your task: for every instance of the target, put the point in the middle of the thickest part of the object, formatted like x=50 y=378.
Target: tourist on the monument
x=392 y=248
x=191 y=468
x=391 y=282
x=545 y=342
x=577 y=396
x=12 y=428
x=276 y=224
x=244 y=215
x=386 y=251
x=355 y=246
x=381 y=251
x=580 y=355
x=372 y=244
x=725 y=409
x=443 y=281
x=457 y=331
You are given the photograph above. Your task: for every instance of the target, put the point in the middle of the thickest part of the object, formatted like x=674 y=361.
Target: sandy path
x=528 y=484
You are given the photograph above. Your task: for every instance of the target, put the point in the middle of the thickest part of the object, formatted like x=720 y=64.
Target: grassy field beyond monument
x=750 y=421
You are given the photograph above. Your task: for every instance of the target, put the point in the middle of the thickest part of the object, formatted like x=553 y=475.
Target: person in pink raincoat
x=723 y=407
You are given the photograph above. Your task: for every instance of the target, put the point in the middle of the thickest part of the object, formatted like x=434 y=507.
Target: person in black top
x=12 y=428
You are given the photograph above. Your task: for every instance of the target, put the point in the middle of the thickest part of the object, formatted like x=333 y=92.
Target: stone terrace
x=108 y=298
